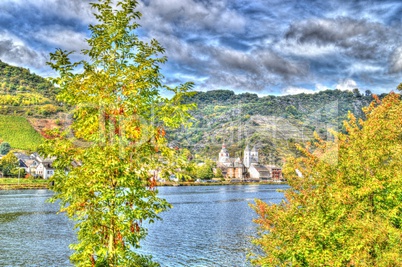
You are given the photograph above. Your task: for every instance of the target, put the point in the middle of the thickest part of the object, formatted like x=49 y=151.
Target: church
x=248 y=169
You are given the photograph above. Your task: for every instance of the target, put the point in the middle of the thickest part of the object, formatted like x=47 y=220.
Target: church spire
x=247 y=148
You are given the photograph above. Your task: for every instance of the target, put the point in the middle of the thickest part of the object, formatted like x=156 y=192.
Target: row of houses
x=35 y=165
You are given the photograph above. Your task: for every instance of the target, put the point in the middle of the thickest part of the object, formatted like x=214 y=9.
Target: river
x=207 y=226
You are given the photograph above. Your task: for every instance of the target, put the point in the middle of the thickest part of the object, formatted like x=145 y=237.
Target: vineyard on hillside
x=19 y=133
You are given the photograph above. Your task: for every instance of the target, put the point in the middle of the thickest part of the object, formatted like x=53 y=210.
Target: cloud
x=62 y=37
x=175 y=15
x=294 y=90
x=281 y=66
x=15 y=51
x=78 y=10
x=396 y=61
x=356 y=38
x=236 y=60
x=346 y=85
x=243 y=45
x=225 y=67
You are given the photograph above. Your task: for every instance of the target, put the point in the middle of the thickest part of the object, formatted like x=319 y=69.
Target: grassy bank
x=23 y=183
x=215 y=183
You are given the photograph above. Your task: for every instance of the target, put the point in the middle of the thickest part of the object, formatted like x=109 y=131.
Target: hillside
x=16 y=79
x=273 y=123
x=24 y=93
x=19 y=133
x=26 y=102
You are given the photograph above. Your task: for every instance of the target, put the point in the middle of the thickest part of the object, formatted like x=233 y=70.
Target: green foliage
x=23 y=99
x=9 y=164
x=23 y=93
x=48 y=109
x=344 y=205
x=19 y=133
x=219 y=173
x=119 y=114
x=30 y=182
x=399 y=87
x=4 y=148
x=205 y=171
x=16 y=79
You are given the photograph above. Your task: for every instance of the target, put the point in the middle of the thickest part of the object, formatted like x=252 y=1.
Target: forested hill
x=25 y=94
x=16 y=79
x=273 y=123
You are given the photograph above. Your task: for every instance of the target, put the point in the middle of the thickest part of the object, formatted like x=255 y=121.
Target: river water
x=207 y=226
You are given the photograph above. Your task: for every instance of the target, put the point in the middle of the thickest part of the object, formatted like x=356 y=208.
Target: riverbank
x=217 y=183
x=23 y=183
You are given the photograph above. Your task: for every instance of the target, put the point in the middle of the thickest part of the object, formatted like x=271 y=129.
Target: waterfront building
x=249 y=168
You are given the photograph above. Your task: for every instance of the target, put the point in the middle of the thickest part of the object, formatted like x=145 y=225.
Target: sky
x=268 y=47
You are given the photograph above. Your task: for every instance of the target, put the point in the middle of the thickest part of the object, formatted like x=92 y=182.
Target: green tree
x=356 y=92
x=119 y=118
x=344 y=205
x=218 y=173
x=9 y=164
x=4 y=148
x=205 y=171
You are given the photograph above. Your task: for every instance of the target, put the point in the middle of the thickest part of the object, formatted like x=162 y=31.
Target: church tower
x=247 y=157
x=254 y=155
x=223 y=154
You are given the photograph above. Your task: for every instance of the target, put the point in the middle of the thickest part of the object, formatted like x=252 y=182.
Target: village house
x=36 y=165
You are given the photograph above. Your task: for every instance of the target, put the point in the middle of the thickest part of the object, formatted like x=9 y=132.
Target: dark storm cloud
x=396 y=61
x=282 y=67
x=357 y=38
x=19 y=54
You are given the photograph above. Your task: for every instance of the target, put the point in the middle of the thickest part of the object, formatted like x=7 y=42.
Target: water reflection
x=31 y=232
x=207 y=226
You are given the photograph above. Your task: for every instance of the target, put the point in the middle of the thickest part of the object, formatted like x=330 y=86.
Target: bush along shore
x=23 y=183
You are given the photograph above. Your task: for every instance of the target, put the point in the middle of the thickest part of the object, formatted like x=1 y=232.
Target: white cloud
x=362 y=67
x=346 y=85
x=292 y=90
x=320 y=87
x=306 y=50
x=63 y=38
x=168 y=16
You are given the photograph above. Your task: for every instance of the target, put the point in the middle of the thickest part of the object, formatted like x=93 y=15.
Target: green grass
x=19 y=133
x=4 y=181
x=23 y=183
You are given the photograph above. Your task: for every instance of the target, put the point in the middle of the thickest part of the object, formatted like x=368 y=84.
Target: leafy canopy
x=345 y=206
x=9 y=164
x=105 y=164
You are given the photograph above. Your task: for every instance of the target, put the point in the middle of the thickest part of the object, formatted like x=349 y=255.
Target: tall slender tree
x=106 y=157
